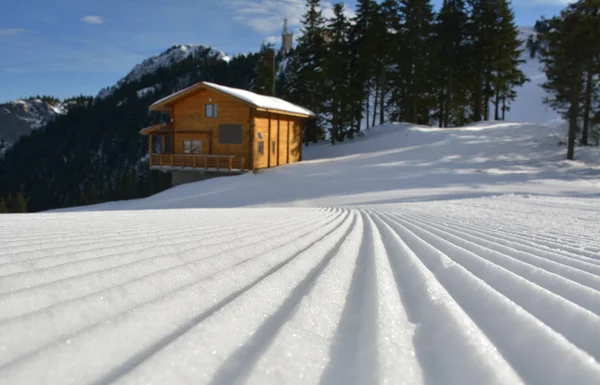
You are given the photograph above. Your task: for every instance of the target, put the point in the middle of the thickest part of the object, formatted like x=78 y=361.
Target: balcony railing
x=221 y=163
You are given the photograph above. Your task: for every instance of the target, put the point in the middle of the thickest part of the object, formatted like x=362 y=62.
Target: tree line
x=569 y=48
x=400 y=60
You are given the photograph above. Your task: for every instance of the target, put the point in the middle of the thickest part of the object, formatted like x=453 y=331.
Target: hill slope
x=396 y=281
x=400 y=162
x=21 y=117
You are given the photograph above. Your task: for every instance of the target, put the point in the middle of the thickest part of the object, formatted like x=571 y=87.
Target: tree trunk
x=589 y=84
x=478 y=93
x=367 y=108
x=442 y=109
x=375 y=104
x=503 y=107
x=382 y=101
x=497 y=106
x=486 y=99
x=448 y=102
x=573 y=115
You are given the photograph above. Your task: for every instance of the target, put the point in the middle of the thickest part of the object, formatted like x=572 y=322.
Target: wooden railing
x=206 y=162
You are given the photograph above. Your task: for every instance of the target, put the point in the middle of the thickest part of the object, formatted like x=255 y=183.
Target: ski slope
x=411 y=256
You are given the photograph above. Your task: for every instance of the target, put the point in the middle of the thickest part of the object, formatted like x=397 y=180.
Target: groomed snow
x=413 y=255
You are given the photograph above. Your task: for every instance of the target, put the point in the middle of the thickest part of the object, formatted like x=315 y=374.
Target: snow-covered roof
x=260 y=101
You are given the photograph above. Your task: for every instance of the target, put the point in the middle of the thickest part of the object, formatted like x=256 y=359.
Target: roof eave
x=307 y=116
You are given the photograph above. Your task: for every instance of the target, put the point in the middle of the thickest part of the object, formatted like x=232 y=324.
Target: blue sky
x=71 y=47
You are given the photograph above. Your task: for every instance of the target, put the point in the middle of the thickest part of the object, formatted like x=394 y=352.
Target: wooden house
x=214 y=128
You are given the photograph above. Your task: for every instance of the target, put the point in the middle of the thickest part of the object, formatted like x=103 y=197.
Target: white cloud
x=92 y=20
x=11 y=31
x=273 y=40
x=266 y=16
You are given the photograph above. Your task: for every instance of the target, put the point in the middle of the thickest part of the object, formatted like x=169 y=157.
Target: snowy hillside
x=21 y=117
x=173 y=55
x=414 y=255
x=397 y=163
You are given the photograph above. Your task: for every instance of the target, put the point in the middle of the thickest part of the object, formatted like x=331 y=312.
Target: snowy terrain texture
x=413 y=255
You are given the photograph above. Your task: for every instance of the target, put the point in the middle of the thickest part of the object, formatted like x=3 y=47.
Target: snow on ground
x=398 y=163
x=410 y=256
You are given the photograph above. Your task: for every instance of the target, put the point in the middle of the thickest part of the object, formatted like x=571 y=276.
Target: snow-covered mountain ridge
x=173 y=55
x=21 y=117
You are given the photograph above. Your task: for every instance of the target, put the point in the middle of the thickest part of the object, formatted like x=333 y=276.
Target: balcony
x=195 y=162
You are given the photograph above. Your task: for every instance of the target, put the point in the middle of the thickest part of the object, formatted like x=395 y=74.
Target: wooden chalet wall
x=189 y=122
x=282 y=138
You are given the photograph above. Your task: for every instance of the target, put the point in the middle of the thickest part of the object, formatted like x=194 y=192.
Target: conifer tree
x=20 y=204
x=452 y=62
x=506 y=55
x=570 y=52
x=413 y=95
x=337 y=69
x=362 y=42
x=3 y=208
x=264 y=70
x=307 y=64
x=589 y=11
x=564 y=64
x=10 y=204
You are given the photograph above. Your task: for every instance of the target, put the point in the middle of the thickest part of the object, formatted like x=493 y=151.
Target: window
x=261 y=147
x=192 y=146
x=230 y=134
x=210 y=110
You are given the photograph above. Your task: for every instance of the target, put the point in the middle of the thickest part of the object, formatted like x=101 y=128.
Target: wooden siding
x=261 y=134
x=283 y=139
x=295 y=148
x=285 y=132
x=189 y=121
x=273 y=140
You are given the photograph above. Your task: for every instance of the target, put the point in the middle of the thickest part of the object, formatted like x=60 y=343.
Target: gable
x=248 y=98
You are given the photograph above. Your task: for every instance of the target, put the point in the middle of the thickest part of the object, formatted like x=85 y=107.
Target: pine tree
x=589 y=11
x=265 y=70
x=307 y=64
x=506 y=75
x=564 y=65
x=362 y=51
x=452 y=62
x=337 y=69
x=481 y=30
x=10 y=204
x=20 y=204
x=413 y=96
x=3 y=208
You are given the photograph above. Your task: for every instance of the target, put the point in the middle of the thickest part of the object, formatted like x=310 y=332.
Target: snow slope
x=398 y=163
x=413 y=256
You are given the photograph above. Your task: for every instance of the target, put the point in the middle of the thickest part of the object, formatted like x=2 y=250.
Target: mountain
x=173 y=55
x=94 y=152
x=21 y=117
